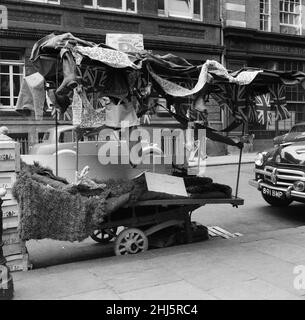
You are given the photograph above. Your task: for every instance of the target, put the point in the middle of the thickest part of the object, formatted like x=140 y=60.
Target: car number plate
x=274 y=193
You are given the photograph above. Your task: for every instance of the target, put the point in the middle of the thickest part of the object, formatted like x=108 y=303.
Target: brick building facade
x=268 y=34
x=190 y=29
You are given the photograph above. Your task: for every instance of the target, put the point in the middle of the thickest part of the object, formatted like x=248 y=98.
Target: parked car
x=88 y=144
x=296 y=133
x=280 y=174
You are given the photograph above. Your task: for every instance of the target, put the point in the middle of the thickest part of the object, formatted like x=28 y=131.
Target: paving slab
x=180 y=290
x=280 y=249
x=214 y=276
x=252 y=290
x=57 y=285
x=103 y=294
x=296 y=239
x=131 y=280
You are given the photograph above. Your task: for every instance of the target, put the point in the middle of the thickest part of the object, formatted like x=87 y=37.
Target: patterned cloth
x=112 y=58
x=77 y=108
x=236 y=99
x=279 y=103
x=263 y=105
x=176 y=90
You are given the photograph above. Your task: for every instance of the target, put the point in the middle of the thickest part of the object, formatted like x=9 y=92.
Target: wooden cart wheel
x=104 y=235
x=130 y=241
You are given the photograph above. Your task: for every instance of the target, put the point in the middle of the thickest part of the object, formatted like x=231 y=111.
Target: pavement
x=256 y=267
x=231 y=159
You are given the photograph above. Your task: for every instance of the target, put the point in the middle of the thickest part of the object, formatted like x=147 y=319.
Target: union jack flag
x=263 y=105
x=278 y=101
x=236 y=99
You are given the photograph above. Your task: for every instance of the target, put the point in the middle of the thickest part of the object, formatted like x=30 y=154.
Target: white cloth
x=121 y=115
x=112 y=58
x=32 y=95
x=243 y=78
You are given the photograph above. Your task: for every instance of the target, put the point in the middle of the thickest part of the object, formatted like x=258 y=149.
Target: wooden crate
x=18 y=262
x=10 y=214
x=10 y=236
x=7 y=180
x=13 y=249
x=9 y=156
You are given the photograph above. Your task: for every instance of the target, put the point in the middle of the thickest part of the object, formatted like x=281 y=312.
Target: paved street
x=254 y=217
x=260 y=266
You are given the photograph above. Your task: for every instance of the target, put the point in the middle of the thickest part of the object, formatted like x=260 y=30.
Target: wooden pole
x=239 y=164
x=56 y=144
x=77 y=155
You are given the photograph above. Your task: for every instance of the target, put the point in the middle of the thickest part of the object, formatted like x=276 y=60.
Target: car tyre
x=274 y=202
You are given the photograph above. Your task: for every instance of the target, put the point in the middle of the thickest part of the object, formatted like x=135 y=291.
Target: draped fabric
x=279 y=103
x=121 y=76
x=32 y=95
x=263 y=105
x=110 y=57
x=209 y=69
x=237 y=100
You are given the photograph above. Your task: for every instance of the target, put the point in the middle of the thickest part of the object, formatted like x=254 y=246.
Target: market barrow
x=145 y=218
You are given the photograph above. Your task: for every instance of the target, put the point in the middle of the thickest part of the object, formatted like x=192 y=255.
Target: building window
x=188 y=9
x=265 y=15
x=295 y=94
x=113 y=5
x=46 y=1
x=290 y=16
x=11 y=75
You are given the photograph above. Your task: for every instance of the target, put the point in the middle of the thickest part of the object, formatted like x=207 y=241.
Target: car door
x=66 y=140
x=111 y=149
x=88 y=145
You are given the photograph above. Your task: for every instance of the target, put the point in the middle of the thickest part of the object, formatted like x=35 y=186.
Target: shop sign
x=125 y=42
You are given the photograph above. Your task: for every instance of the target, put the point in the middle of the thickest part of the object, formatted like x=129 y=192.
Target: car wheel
x=274 y=202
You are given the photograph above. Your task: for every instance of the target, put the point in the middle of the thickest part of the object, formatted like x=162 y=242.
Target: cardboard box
x=165 y=184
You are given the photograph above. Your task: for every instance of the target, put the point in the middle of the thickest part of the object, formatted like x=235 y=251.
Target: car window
x=111 y=135
x=301 y=128
x=66 y=137
x=92 y=137
x=46 y=136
